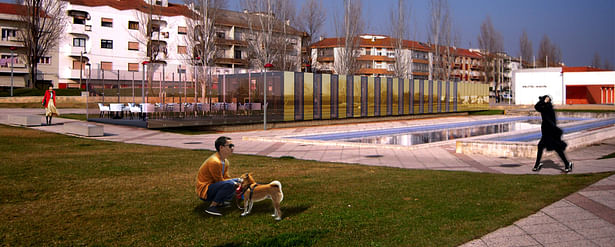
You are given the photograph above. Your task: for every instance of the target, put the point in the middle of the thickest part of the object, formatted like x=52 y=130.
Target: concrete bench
x=84 y=129
x=25 y=120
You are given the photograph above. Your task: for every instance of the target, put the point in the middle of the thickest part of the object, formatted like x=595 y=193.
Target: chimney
x=320 y=38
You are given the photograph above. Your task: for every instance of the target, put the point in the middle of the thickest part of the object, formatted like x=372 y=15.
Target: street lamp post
x=265 y=97
x=87 y=88
x=12 y=61
x=143 y=84
x=81 y=68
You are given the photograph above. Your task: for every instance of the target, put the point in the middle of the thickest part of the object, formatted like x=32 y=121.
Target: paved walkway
x=585 y=218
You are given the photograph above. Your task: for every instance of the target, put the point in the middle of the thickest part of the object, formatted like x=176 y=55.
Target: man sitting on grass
x=213 y=184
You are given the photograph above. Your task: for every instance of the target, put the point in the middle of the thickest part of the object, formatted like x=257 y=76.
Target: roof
x=224 y=17
x=389 y=42
x=581 y=69
x=8 y=8
x=171 y=10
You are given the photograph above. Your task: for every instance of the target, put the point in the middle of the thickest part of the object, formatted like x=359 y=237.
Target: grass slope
x=62 y=190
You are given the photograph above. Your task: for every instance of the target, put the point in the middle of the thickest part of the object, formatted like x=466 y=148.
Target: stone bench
x=25 y=120
x=84 y=129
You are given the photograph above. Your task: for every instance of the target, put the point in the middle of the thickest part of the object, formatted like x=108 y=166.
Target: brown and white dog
x=253 y=192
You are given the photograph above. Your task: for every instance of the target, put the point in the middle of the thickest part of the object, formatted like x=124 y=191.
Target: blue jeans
x=221 y=191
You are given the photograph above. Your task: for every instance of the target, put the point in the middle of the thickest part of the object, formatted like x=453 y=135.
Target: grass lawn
x=63 y=190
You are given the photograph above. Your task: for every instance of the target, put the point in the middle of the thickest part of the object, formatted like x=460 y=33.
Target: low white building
x=567 y=85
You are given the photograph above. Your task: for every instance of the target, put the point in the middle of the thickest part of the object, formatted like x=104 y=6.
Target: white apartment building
x=11 y=46
x=111 y=37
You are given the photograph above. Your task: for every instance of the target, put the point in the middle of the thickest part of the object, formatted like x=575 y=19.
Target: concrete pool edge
x=528 y=149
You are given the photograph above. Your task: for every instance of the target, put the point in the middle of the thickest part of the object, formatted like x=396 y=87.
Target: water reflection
x=447 y=134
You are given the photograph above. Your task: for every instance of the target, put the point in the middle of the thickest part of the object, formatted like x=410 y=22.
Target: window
x=106 y=65
x=79 y=20
x=159 y=2
x=181 y=49
x=44 y=60
x=7 y=34
x=182 y=30
x=237 y=54
x=78 y=65
x=107 y=44
x=220 y=35
x=133 y=67
x=133 y=46
x=7 y=58
x=106 y=22
x=133 y=25
x=79 y=42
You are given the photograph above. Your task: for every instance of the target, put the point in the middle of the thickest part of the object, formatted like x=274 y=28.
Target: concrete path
x=585 y=218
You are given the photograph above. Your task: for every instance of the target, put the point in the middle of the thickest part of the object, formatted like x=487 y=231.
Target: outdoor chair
x=134 y=109
x=103 y=109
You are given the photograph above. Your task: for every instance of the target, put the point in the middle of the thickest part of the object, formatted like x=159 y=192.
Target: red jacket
x=47 y=96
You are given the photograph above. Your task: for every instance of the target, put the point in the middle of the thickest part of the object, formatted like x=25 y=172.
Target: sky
x=581 y=28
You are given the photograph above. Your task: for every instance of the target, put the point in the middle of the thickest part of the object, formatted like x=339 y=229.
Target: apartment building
x=110 y=39
x=11 y=47
x=378 y=56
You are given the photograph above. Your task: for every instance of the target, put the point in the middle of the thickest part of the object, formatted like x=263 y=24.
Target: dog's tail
x=279 y=185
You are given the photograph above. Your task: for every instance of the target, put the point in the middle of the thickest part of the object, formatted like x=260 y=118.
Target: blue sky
x=580 y=27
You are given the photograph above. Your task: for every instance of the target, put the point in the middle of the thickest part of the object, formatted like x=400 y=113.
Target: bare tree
x=312 y=17
x=399 y=25
x=441 y=39
x=525 y=47
x=607 y=65
x=596 y=60
x=150 y=23
x=490 y=42
x=548 y=53
x=200 y=38
x=42 y=24
x=346 y=61
x=272 y=39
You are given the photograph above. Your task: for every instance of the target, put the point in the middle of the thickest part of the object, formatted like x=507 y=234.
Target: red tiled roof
x=467 y=53
x=7 y=8
x=387 y=42
x=581 y=69
x=172 y=10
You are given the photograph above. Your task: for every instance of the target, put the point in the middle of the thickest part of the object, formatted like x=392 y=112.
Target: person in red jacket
x=49 y=102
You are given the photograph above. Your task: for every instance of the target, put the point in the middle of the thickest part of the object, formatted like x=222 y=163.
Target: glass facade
x=300 y=96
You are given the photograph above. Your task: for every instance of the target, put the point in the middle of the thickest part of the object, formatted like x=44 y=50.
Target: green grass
x=487 y=112
x=63 y=190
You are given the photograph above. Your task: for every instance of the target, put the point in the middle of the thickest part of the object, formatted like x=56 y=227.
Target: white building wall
x=529 y=84
x=120 y=56
x=590 y=78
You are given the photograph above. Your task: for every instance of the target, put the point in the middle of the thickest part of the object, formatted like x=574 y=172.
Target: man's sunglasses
x=230 y=145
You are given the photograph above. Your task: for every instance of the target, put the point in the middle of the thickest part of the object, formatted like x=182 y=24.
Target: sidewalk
x=585 y=218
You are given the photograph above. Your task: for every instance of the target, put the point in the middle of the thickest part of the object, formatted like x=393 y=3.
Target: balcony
x=79 y=29
x=232 y=61
x=75 y=51
x=370 y=71
x=419 y=73
x=325 y=59
x=375 y=58
x=423 y=61
x=160 y=35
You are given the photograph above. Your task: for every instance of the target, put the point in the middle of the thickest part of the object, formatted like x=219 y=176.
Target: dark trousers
x=221 y=191
x=560 y=152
